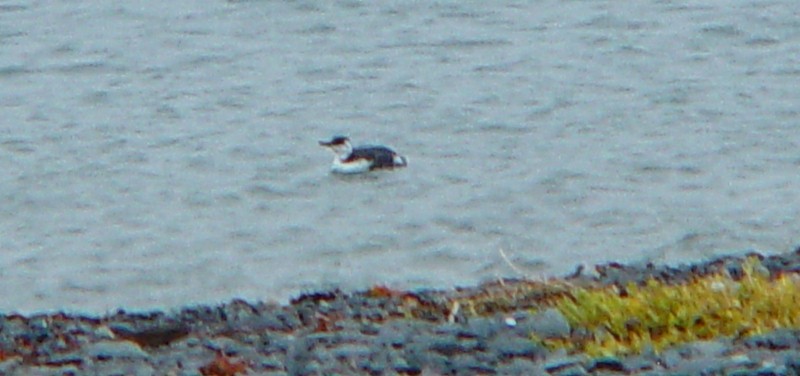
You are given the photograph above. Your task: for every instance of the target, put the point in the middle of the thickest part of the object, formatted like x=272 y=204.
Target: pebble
x=780 y=339
x=515 y=347
x=107 y=350
x=574 y=370
x=549 y=323
x=520 y=367
x=608 y=364
x=338 y=333
x=559 y=364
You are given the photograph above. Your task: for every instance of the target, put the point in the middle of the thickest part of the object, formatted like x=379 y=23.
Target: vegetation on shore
x=614 y=321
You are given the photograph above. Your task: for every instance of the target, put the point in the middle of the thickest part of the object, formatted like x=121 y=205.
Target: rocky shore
x=480 y=330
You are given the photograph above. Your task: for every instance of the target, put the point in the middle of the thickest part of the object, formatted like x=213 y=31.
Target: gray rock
x=705 y=366
x=465 y=364
x=445 y=345
x=102 y=332
x=549 y=323
x=7 y=366
x=74 y=358
x=607 y=364
x=780 y=339
x=437 y=362
x=391 y=336
x=482 y=328
x=520 y=367
x=670 y=358
x=472 y=345
x=278 y=321
x=639 y=363
x=351 y=351
x=46 y=371
x=792 y=361
x=401 y=366
x=558 y=364
x=126 y=368
x=515 y=347
x=106 y=350
x=225 y=345
x=574 y=370
x=271 y=363
x=704 y=349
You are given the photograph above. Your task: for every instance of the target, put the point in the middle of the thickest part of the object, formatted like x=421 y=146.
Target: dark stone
x=556 y=365
x=466 y=364
x=609 y=364
x=515 y=347
x=61 y=360
x=447 y=346
x=638 y=364
x=793 y=364
x=316 y=297
x=154 y=336
x=574 y=370
x=765 y=371
x=780 y=339
x=519 y=367
x=391 y=335
x=404 y=368
x=354 y=351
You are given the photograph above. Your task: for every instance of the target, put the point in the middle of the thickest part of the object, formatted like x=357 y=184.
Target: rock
x=638 y=363
x=351 y=351
x=8 y=365
x=549 y=323
x=793 y=363
x=466 y=364
x=515 y=347
x=126 y=368
x=607 y=364
x=670 y=358
x=278 y=321
x=155 y=336
x=574 y=370
x=445 y=345
x=705 y=349
x=74 y=358
x=481 y=328
x=403 y=367
x=559 y=364
x=225 y=345
x=48 y=371
x=779 y=339
x=519 y=367
x=392 y=336
x=107 y=350
x=103 y=332
x=705 y=366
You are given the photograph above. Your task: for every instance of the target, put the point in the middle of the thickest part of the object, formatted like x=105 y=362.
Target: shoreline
x=486 y=329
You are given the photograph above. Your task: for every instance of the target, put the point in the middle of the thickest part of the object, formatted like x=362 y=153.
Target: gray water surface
x=157 y=154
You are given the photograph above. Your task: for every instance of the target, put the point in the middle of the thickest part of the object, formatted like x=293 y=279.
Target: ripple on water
x=182 y=146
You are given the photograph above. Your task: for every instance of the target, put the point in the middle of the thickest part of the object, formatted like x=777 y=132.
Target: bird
x=355 y=160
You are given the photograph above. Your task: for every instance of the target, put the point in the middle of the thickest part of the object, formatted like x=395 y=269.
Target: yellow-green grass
x=613 y=321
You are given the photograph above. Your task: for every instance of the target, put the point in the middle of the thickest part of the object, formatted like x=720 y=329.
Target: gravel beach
x=382 y=331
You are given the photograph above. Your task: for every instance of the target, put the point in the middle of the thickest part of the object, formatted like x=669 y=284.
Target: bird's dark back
x=380 y=156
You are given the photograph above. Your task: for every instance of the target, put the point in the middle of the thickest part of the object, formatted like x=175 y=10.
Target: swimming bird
x=354 y=160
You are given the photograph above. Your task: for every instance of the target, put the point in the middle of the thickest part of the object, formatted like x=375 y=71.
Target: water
x=157 y=154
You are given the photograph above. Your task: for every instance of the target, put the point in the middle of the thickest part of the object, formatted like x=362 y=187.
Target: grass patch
x=614 y=321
